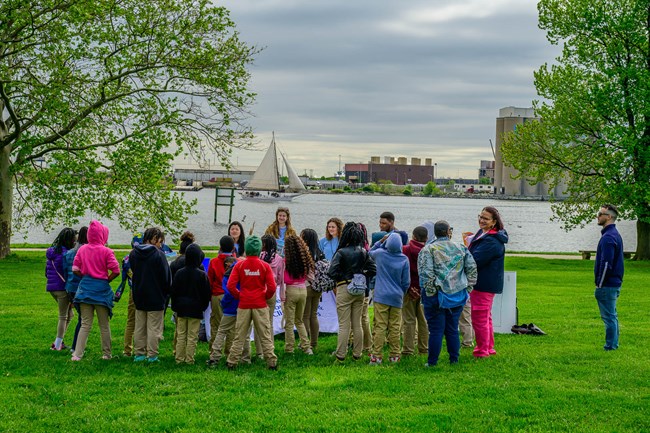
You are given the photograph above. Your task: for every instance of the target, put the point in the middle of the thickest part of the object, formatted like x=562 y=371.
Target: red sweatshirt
x=412 y=250
x=215 y=273
x=256 y=283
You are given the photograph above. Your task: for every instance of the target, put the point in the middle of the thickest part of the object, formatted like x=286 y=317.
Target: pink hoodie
x=94 y=259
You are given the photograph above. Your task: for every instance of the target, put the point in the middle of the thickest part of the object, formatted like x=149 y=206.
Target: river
x=528 y=222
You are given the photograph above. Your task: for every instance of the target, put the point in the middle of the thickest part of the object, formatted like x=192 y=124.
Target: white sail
x=266 y=175
x=295 y=184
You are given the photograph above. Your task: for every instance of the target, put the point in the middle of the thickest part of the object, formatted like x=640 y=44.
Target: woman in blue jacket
x=55 y=275
x=488 y=249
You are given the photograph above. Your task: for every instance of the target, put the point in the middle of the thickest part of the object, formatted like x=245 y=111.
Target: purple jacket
x=54 y=270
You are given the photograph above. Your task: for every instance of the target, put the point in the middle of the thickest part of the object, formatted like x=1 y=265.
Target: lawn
x=564 y=381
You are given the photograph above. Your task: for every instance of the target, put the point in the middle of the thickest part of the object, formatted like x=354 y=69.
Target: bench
x=586 y=254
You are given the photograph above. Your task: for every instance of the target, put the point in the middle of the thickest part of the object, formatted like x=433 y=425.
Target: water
x=527 y=222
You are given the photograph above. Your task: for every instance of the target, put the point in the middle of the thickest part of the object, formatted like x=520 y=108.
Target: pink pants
x=482 y=323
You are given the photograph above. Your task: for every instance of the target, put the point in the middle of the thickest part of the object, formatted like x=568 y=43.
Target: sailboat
x=265 y=183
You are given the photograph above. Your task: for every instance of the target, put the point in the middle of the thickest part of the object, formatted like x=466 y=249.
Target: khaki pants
x=260 y=318
x=187 y=334
x=87 y=313
x=148 y=332
x=66 y=312
x=465 y=325
x=130 y=326
x=270 y=306
x=294 y=308
x=365 y=326
x=216 y=313
x=348 y=309
x=224 y=337
x=412 y=320
x=310 y=317
x=389 y=319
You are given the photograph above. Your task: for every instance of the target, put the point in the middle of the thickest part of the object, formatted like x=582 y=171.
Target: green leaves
x=106 y=93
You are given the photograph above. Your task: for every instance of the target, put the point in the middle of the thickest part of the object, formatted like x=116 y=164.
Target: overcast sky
x=359 y=78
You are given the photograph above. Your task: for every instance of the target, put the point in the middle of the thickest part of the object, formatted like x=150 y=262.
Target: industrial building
x=395 y=170
x=504 y=176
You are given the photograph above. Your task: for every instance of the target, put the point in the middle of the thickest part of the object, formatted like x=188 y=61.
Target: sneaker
x=107 y=357
x=309 y=351
x=273 y=367
x=394 y=359
x=374 y=360
x=75 y=358
x=212 y=362
x=139 y=358
x=153 y=360
x=126 y=354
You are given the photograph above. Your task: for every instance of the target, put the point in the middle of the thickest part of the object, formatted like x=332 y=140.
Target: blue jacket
x=393 y=273
x=608 y=270
x=229 y=304
x=489 y=252
x=72 y=280
x=95 y=292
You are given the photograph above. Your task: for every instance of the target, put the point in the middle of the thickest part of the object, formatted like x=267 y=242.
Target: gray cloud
x=363 y=78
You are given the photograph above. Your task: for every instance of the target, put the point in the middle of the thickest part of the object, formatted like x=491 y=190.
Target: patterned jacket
x=447 y=266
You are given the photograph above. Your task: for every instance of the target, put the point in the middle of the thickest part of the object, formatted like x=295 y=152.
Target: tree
x=431 y=189
x=594 y=132
x=98 y=96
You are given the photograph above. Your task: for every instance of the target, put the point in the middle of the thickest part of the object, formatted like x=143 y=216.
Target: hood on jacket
x=502 y=236
x=430 y=233
x=97 y=233
x=144 y=251
x=193 y=256
x=394 y=243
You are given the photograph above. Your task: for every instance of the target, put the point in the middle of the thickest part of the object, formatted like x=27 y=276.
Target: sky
x=361 y=78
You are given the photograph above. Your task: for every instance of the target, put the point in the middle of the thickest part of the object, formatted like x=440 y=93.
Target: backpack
x=322 y=282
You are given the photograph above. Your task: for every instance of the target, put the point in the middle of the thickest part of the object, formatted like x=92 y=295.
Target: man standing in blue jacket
x=608 y=273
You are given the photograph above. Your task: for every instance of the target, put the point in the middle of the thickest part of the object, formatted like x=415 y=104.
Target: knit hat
x=253 y=246
x=137 y=239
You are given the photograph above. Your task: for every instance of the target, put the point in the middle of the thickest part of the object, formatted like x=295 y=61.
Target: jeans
x=442 y=321
x=606 y=297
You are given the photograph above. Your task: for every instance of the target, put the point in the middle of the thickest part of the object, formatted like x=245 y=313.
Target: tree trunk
x=642 y=241
x=6 y=196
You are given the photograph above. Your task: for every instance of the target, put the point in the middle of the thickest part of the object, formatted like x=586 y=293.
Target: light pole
x=435 y=166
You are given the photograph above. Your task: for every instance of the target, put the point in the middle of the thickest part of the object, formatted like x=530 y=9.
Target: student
x=97 y=266
x=447 y=271
x=270 y=255
x=190 y=297
x=412 y=311
x=298 y=268
x=387 y=226
x=281 y=227
x=127 y=278
x=330 y=242
x=55 y=275
x=310 y=316
x=152 y=280
x=350 y=260
x=216 y=270
x=72 y=280
x=256 y=282
x=392 y=282
x=226 y=332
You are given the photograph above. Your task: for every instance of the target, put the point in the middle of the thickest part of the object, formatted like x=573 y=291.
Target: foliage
x=284 y=180
x=370 y=187
x=347 y=188
x=431 y=189
x=485 y=181
x=408 y=190
x=594 y=136
x=97 y=98
x=536 y=384
x=337 y=190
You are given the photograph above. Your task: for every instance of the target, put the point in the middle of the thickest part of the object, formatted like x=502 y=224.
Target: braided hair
x=352 y=236
x=65 y=239
x=297 y=258
x=311 y=239
x=269 y=248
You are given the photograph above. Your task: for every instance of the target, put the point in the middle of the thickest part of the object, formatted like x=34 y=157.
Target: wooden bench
x=586 y=254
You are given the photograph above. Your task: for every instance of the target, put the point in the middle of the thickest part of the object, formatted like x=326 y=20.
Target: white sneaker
x=309 y=351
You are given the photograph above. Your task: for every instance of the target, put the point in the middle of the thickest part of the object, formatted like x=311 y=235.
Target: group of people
x=422 y=289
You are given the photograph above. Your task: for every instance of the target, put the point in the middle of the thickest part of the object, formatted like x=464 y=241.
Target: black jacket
x=152 y=279
x=191 y=291
x=349 y=261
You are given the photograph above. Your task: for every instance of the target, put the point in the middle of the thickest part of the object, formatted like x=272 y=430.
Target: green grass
x=560 y=382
